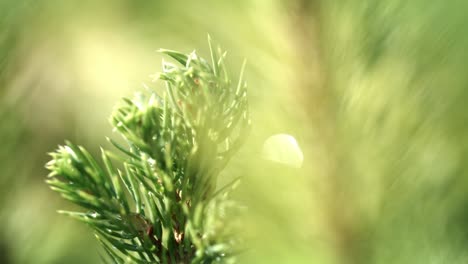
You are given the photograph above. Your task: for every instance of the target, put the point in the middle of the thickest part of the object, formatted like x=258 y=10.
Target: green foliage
x=160 y=203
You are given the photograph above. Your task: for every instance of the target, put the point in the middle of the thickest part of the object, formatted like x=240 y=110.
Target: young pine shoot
x=154 y=199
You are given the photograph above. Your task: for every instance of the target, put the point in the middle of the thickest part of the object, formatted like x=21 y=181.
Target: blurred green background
x=375 y=93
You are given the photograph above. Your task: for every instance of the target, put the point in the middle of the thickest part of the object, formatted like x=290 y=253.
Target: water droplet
x=284 y=149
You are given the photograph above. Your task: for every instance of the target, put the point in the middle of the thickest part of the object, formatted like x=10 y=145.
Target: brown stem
x=316 y=95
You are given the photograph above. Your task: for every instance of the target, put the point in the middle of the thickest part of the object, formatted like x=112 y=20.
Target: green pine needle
x=155 y=200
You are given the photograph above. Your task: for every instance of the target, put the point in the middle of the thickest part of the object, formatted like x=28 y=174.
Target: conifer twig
x=155 y=200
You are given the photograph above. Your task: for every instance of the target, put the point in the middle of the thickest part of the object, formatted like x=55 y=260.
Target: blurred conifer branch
x=155 y=200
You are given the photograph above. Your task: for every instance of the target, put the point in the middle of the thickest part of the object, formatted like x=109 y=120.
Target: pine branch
x=155 y=199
